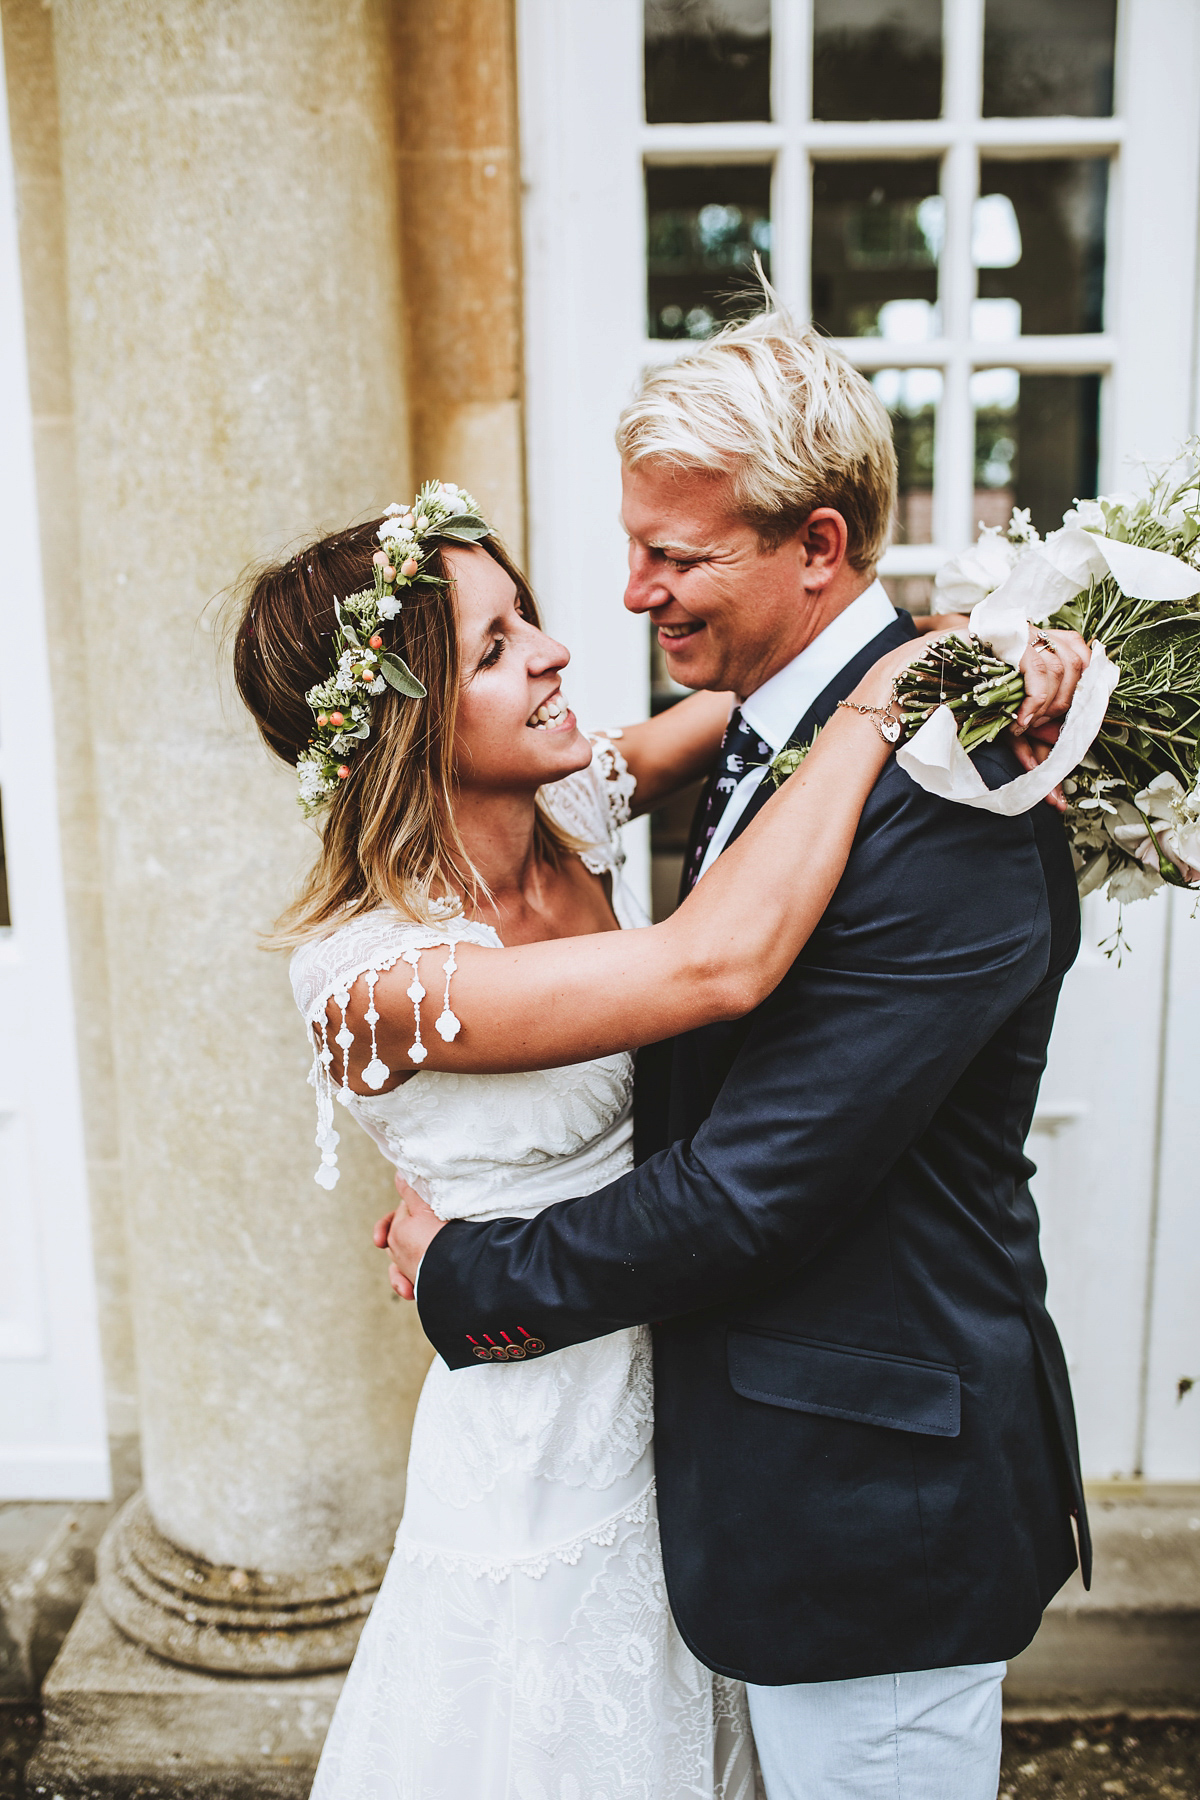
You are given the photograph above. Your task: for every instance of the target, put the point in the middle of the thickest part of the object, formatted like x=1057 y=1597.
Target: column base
x=229 y=1621
x=1131 y=1645
x=116 y=1714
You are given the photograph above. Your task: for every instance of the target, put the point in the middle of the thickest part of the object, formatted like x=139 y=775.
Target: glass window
x=1048 y=58
x=876 y=241
x=703 y=228
x=912 y=397
x=1036 y=443
x=877 y=59
x=1038 y=242
x=707 y=59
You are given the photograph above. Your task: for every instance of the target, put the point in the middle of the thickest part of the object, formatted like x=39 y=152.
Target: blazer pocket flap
x=866 y=1386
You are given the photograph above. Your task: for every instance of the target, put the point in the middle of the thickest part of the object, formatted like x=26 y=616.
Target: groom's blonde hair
x=778 y=409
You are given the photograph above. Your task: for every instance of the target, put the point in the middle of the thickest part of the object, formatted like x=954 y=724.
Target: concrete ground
x=1143 y=1759
x=1069 y=1760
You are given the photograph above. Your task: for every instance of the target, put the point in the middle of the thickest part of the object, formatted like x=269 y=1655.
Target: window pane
x=1042 y=58
x=1039 y=241
x=877 y=237
x=877 y=59
x=704 y=226
x=707 y=59
x=912 y=397
x=1036 y=441
x=5 y=912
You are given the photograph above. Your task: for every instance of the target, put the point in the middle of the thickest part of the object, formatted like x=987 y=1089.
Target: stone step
x=1134 y=1639
x=113 y=1710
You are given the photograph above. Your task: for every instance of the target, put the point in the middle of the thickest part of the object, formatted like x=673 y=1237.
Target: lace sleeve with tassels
x=323 y=972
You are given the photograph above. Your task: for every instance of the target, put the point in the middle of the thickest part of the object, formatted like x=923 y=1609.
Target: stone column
x=460 y=206
x=236 y=325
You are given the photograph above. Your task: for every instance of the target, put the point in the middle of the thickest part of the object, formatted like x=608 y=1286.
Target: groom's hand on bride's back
x=1052 y=666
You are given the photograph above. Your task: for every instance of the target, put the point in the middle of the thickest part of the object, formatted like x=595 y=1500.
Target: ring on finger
x=1043 y=642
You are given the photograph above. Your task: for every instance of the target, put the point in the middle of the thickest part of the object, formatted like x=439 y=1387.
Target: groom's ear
x=821 y=542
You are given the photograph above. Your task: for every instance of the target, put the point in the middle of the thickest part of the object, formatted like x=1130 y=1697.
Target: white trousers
x=930 y=1735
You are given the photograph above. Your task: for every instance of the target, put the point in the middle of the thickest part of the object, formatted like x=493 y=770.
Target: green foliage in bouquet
x=1133 y=802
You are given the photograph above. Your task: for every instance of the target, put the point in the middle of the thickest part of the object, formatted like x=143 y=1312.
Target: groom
x=868 y=1479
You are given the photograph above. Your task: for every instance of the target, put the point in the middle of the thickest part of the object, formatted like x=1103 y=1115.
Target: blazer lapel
x=847 y=678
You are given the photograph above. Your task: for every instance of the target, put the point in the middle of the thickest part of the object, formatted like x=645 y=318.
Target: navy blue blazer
x=864 y=1438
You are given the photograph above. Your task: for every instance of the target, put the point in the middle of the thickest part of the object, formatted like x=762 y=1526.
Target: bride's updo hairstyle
x=388 y=835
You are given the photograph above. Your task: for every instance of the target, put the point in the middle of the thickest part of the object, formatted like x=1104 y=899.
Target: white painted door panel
x=53 y=1442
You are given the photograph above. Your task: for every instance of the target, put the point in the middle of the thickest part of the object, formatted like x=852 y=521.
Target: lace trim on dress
x=593 y=805
x=601 y=1535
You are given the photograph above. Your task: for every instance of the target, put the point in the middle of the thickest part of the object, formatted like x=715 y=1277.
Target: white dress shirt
x=776 y=708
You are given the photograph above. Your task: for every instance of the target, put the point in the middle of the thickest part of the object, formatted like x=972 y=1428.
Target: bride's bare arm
x=567 y=999
x=664 y=754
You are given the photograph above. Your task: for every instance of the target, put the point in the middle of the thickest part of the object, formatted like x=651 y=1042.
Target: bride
x=521 y=1646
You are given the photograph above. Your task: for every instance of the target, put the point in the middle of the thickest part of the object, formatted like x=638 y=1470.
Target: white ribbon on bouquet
x=1045 y=577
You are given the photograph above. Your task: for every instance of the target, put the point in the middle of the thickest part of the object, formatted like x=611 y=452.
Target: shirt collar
x=776 y=708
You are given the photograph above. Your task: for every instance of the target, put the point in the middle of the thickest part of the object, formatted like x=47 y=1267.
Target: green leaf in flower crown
x=463 y=528
x=346 y=627
x=398 y=675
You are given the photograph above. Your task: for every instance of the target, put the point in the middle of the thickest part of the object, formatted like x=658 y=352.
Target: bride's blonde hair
x=388 y=836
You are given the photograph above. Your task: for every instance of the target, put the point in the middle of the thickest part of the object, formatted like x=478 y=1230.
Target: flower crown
x=362 y=666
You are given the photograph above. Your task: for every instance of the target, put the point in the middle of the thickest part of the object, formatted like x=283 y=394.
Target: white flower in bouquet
x=965 y=580
x=1088 y=515
x=1133 y=882
x=1162 y=824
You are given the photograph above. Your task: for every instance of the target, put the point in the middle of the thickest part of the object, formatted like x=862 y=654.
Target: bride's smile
x=514 y=728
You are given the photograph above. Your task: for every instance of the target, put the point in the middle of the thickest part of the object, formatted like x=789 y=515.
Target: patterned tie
x=741 y=750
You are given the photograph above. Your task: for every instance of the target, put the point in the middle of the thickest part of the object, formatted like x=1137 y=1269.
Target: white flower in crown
x=310 y=777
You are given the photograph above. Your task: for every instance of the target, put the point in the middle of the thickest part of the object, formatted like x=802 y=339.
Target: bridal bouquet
x=1125 y=573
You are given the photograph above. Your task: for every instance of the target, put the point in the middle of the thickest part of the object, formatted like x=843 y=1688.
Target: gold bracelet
x=888 y=726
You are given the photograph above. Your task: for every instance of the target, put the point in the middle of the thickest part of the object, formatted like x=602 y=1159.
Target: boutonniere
x=789 y=759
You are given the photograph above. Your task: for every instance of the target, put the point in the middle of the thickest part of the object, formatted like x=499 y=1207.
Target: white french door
x=991 y=205
x=53 y=1443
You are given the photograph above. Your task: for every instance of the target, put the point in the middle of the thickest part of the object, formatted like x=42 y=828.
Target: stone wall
x=455 y=90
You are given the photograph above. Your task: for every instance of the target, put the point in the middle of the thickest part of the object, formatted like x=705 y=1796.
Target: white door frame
x=53 y=1438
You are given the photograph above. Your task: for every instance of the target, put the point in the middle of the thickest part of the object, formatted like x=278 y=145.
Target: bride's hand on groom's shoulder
x=406 y=1234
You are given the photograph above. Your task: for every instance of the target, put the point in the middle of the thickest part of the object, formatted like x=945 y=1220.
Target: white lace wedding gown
x=521 y=1647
